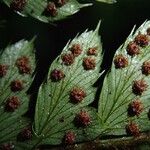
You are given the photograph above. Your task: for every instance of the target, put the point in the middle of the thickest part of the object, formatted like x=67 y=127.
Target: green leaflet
x=107 y=1
x=14 y=102
x=55 y=112
x=117 y=92
x=36 y=9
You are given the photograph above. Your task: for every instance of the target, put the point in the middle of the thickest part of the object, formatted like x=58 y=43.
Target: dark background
x=117 y=21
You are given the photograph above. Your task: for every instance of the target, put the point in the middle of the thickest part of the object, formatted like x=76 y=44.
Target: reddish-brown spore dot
x=146 y=68
x=57 y=75
x=89 y=63
x=76 y=49
x=120 y=61
x=51 y=9
x=23 y=65
x=139 y=86
x=68 y=59
x=133 y=49
x=92 y=51
x=142 y=40
x=69 y=137
x=12 y=104
x=60 y=3
x=3 y=70
x=25 y=134
x=22 y=61
x=135 y=108
x=18 y=5
x=16 y=85
x=132 y=129
x=7 y=146
x=77 y=95
x=82 y=119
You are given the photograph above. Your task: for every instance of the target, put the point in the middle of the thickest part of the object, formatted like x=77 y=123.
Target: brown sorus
x=132 y=129
x=3 y=70
x=12 y=103
x=148 y=31
x=16 y=85
x=76 y=49
x=57 y=75
x=18 y=5
x=23 y=65
x=22 y=61
x=51 y=9
x=68 y=59
x=146 y=68
x=139 y=86
x=141 y=40
x=60 y=3
x=7 y=146
x=89 y=63
x=120 y=61
x=82 y=119
x=92 y=51
x=133 y=49
x=135 y=108
x=69 y=137
x=25 y=134
x=77 y=95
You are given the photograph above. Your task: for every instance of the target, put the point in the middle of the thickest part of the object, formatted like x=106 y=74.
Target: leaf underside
x=117 y=91
x=36 y=9
x=11 y=121
x=53 y=103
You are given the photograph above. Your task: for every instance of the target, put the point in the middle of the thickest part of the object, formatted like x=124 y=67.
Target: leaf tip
x=86 y=5
x=98 y=26
x=108 y=1
x=33 y=39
